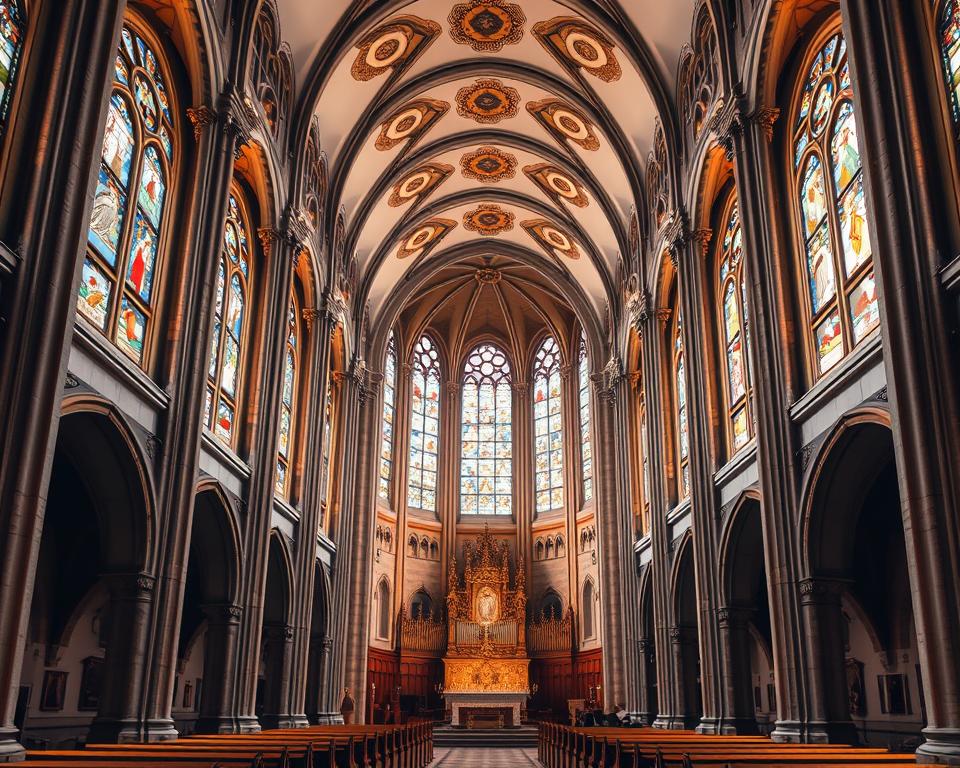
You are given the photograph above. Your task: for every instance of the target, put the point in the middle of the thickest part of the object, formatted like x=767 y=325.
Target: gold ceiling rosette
x=488 y=220
x=488 y=101
x=488 y=165
x=486 y=26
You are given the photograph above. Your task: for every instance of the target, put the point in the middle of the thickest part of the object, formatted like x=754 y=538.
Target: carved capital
x=701 y=238
x=268 y=237
x=310 y=315
x=565 y=372
x=826 y=591
x=453 y=388
x=663 y=316
x=200 y=117
x=677 y=234
x=727 y=124
x=766 y=118
x=522 y=388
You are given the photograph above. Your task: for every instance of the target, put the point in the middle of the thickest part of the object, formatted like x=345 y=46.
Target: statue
x=347 y=707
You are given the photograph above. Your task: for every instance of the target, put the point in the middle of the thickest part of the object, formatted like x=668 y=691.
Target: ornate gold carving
x=394 y=45
x=410 y=122
x=565 y=122
x=200 y=118
x=419 y=184
x=551 y=238
x=488 y=101
x=486 y=676
x=488 y=165
x=580 y=46
x=488 y=220
x=557 y=184
x=486 y=26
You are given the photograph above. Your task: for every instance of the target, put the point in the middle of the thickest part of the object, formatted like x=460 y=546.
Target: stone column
x=829 y=717
x=689 y=250
x=524 y=498
x=219 y=660
x=118 y=717
x=450 y=462
x=646 y=650
x=218 y=135
x=650 y=327
x=54 y=173
x=278 y=663
x=747 y=135
x=734 y=638
x=906 y=181
x=683 y=656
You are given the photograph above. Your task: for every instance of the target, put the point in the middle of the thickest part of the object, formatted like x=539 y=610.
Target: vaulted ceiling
x=486 y=127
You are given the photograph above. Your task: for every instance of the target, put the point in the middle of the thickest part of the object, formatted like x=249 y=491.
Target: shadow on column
x=684 y=641
x=276 y=642
x=319 y=650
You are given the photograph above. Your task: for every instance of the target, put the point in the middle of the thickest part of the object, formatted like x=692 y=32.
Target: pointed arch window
x=949 y=31
x=841 y=293
x=486 y=448
x=291 y=383
x=548 y=427
x=224 y=376
x=683 y=429
x=732 y=300
x=12 y=27
x=389 y=411
x=127 y=225
x=424 y=426
x=327 y=439
x=586 y=445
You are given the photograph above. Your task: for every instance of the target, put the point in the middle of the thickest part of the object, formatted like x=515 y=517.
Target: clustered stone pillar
x=684 y=653
x=734 y=638
x=646 y=650
x=219 y=658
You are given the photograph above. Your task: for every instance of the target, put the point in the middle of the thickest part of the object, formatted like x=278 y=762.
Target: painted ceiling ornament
x=488 y=101
x=419 y=184
x=410 y=122
x=488 y=165
x=552 y=239
x=564 y=122
x=394 y=45
x=425 y=237
x=575 y=43
x=557 y=184
x=487 y=276
x=488 y=220
x=486 y=26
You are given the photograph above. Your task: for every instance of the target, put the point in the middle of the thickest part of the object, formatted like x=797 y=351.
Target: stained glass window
x=547 y=427
x=12 y=25
x=486 y=440
x=735 y=335
x=327 y=439
x=424 y=426
x=838 y=255
x=586 y=445
x=645 y=467
x=126 y=230
x=389 y=411
x=288 y=398
x=226 y=348
x=683 y=430
x=949 y=30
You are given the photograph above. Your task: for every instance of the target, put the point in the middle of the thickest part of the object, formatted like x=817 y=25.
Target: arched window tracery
x=272 y=73
x=13 y=24
x=838 y=256
x=424 y=426
x=126 y=236
x=389 y=414
x=384 y=609
x=548 y=428
x=224 y=376
x=735 y=334
x=683 y=430
x=486 y=454
x=288 y=396
x=586 y=445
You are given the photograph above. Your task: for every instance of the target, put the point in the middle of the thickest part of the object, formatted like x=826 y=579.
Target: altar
x=486 y=668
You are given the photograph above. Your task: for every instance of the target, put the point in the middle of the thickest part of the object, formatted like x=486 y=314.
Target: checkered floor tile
x=470 y=757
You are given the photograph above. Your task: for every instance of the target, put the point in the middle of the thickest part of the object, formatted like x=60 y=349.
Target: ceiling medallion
x=487 y=276
x=418 y=184
x=579 y=45
x=424 y=237
x=488 y=165
x=394 y=45
x=564 y=122
x=553 y=240
x=488 y=101
x=410 y=122
x=486 y=26
x=557 y=184
x=488 y=220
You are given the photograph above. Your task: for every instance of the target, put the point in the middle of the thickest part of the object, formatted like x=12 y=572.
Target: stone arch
x=684 y=636
x=320 y=643
x=648 y=650
x=276 y=643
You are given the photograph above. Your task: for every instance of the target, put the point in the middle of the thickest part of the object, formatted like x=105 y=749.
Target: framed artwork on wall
x=53 y=690
x=90 y=681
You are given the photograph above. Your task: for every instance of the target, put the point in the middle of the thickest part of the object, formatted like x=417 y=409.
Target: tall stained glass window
x=486 y=447
x=424 y=426
x=949 y=29
x=116 y=292
x=841 y=290
x=226 y=348
x=12 y=26
x=547 y=427
x=327 y=439
x=736 y=338
x=586 y=446
x=288 y=398
x=683 y=429
x=389 y=412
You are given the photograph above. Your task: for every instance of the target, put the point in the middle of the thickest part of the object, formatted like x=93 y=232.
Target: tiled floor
x=468 y=757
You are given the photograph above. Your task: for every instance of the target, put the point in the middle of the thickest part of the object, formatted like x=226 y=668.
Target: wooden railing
x=499 y=632
x=550 y=633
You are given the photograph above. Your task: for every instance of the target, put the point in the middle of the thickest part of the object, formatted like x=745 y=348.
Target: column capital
x=223 y=613
x=200 y=117
x=821 y=590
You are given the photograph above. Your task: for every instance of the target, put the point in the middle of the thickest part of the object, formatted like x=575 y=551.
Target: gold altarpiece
x=486 y=663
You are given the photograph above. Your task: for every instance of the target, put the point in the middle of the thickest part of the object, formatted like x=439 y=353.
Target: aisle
x=474 y=757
